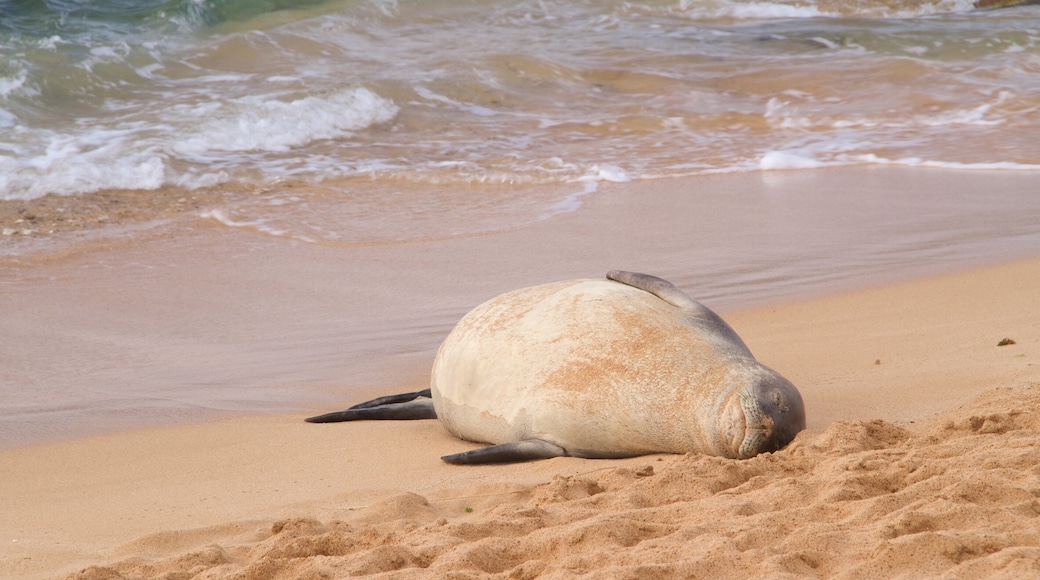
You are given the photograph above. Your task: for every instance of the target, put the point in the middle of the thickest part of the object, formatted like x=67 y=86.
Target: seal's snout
x=773 y=415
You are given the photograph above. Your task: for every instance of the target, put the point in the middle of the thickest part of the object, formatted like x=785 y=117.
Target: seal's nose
x=774 y=412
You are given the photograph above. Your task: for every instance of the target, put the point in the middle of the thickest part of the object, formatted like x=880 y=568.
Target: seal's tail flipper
x=405 y=406
x=526 y=450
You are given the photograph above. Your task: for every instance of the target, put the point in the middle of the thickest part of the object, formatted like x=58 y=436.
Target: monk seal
x=598 y=368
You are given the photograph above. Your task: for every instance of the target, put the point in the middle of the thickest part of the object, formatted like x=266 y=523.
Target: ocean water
x=444 y=107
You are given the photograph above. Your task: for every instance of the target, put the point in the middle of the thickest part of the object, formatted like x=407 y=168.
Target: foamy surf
x=263 y=124
x=185 y=145
x=522 y=94
x=259 y=225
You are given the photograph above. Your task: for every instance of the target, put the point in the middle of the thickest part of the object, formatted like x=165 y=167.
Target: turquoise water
x=138 y=95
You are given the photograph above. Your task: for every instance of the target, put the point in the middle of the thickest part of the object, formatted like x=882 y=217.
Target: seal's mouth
x=758 y=427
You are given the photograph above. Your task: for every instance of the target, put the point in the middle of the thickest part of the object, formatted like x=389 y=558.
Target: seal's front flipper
x=668 y=292
x=526 y=450
x=420 y=408
x=659 y=287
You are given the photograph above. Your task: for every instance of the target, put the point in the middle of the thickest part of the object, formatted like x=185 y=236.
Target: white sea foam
x=7 y=119
x=788 y=160
x=749 y=10
x=803 y=160
x=78 y=164
x=9 y=85
x=591 y=179
x=569 y=204
x=263 y=124
x=605 y=172
x=768 y=10
x=260 y=225
x=142 y=155
x=918 y=162
x=781 y=114
x=470 y=108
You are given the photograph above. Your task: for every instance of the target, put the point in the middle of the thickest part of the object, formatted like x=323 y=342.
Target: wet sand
x=903 y=469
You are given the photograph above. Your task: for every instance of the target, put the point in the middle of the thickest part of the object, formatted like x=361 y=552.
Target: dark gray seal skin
x=605 y=368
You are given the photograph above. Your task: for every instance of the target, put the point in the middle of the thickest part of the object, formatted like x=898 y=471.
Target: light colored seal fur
x=614 y=367
x=604 y=369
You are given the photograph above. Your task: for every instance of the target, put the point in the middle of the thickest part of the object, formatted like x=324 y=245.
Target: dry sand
x=921 y=457
x=880 y=486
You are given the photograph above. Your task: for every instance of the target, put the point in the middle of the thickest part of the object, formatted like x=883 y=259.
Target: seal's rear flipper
x=400 y=398
x=405 y=406
x=526 y=450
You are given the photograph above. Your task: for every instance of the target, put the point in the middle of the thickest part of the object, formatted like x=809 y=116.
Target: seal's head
x=762 y=416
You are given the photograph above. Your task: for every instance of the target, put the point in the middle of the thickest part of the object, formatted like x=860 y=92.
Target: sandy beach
x=920 y=459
